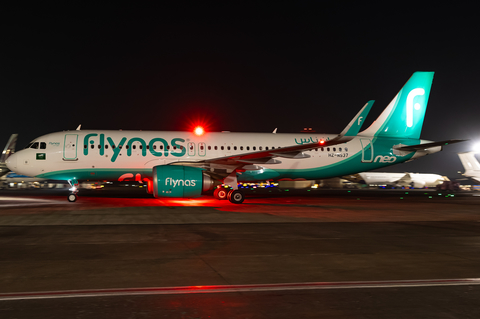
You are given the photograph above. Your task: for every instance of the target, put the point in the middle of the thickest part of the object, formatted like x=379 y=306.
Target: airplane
x=414 y=180
x=471 y=165
x=186 y=164
x=7 y=151
x=14 y=178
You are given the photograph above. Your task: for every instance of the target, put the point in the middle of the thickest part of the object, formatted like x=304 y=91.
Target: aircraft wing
x=426 y=146
x=405 y=180
x=273 y=156
x=265 y=156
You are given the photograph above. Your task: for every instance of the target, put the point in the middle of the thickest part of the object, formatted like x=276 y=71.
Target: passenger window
x=316 y=150
x=322 y=149
x=140 y=146
x=241 y=148
x=209 y=147
x=43 y=145
x=228 y=148
x=334 y=149
x=134 y=146
x=260 y=148
x=234 y=148
x=339 y=149
x=221 y=147
x=174 y=147
x=99 y=147
x=127 y=147
x=328 y=149
x=168 y=147
x=254 y=148
x=346 y=149
x=216 y=147
x=161 y=147
x=266 y=148
x=248 y=148
x=154 y=147
x=106 y=147
x=201 y=147
x=92 y=146
x=85 y=146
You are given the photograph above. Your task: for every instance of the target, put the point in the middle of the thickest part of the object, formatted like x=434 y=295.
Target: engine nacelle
x=418 y=184
x=180 y=181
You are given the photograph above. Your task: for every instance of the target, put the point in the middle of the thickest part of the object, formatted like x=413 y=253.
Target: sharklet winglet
x=352 y=129
x=355 y=124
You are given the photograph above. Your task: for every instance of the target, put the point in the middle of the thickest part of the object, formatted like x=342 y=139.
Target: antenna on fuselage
x=275 y=131
x=79 y=127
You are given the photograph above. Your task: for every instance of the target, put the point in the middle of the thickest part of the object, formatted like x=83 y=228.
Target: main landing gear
x=221 y=193
x=233 y=195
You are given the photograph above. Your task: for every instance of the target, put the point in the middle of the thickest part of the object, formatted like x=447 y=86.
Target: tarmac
x=322 y=254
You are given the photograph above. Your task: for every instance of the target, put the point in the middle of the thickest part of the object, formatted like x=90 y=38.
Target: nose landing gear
x=72 y=197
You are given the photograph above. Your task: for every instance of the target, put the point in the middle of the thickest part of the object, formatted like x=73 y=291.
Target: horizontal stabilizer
x=426 y=146
x=471 y=165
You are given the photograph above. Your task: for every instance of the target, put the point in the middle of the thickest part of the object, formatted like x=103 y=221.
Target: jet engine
x=180 y=181
x=418 y=184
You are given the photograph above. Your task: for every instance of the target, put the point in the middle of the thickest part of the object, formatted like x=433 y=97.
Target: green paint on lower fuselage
x=111 y=174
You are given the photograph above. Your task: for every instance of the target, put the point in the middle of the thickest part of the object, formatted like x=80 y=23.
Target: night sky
x=241 y=66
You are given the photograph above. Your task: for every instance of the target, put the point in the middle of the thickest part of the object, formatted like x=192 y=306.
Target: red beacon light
x=321 y=142
x=199 y=131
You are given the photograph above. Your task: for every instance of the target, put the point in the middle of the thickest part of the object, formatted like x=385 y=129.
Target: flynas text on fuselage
x=150 y=146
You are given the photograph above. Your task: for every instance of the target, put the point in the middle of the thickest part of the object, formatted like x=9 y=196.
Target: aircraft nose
x=12 y=162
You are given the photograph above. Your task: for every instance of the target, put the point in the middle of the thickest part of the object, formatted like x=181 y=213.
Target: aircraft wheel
x=236 y=197
x=72 y=198
x=220 y=193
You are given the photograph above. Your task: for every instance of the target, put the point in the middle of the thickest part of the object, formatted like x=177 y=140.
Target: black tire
x=72 y=198
x=220 y=193
x=236 y=196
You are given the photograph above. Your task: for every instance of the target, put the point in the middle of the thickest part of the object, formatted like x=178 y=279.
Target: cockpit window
x=34 y=145
x=43 y=145
x=28 y=146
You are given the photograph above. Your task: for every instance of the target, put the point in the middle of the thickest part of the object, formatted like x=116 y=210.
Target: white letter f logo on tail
x=411 y=95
